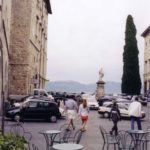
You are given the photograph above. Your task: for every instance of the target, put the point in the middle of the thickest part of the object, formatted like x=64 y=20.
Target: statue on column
x=100 y=91
x=101 y=74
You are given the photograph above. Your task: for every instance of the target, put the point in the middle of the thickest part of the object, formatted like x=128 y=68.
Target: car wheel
x=53 y=119
x=106 y=115
x=17 y=118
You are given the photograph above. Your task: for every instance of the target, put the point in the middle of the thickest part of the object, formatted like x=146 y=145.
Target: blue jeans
x=137 y=119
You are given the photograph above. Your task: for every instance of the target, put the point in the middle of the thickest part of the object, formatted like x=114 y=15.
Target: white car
x=92 y=103
x=123 y=107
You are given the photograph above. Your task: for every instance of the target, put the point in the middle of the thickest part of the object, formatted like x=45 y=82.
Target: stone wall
x=5 y=18
x=146 y=35
x=28 y=50
x=19 y=43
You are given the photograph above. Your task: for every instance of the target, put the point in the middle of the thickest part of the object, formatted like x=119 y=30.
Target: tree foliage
x=131 y=82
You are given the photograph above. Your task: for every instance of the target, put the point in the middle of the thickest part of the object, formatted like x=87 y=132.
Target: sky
x=86 y=35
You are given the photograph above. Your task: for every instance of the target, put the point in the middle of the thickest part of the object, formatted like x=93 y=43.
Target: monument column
x=100 y=91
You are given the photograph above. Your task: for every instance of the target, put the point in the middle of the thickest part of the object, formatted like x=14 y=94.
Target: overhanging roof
x=48 y=5
x=146 y=32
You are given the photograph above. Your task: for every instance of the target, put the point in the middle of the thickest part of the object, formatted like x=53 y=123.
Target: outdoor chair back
x=108 y=139
x=76 y=137
x=124 y=141
x=34 y=147
x=18 y=130
x=146 y=139
x=64 y=135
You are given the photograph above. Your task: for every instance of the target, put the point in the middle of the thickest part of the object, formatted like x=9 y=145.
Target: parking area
x=91 y=139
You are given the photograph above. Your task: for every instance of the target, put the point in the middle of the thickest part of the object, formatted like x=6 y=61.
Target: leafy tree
x=131 y=82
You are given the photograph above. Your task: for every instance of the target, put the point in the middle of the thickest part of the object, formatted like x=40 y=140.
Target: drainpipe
x=40 y=75
x=2 y=95
x=2 y=90
x=2 y=84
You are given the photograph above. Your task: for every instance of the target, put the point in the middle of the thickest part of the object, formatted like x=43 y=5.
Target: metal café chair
x=17 y=129
x=146 y=139
x=64 y=134
x=124 y=141
x=108 y=139
x=76 y=137
x=34 y=147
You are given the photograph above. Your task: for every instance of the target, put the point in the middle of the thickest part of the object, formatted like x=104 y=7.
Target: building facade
x=28 y=45
x=146 y=35
x=5 y=17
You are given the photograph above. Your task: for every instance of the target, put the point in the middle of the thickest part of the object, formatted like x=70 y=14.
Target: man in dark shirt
x=115 y=117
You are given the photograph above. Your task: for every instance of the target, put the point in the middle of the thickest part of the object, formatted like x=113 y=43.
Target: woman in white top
x=83 y=113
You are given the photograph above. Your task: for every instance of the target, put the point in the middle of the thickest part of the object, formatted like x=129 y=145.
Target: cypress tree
x=131 y=82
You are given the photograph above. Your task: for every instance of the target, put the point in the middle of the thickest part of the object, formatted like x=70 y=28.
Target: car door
x=53 y=109
x=123 y=111
x=47 y=110
x=41 y=111
x=30 y=111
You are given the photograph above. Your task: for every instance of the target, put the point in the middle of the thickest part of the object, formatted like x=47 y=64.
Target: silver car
x=123 y=107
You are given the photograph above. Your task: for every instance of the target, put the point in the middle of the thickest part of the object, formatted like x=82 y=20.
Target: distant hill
x=76 y=87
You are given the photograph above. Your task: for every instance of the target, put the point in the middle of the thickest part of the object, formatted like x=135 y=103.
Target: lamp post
x=2 y=86
x=2 y=94
x=2 y=71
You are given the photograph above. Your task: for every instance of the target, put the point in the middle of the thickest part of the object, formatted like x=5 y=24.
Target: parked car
x=103 y=100
x=35 y=109
x=123 y=107
x=18 y=104
x=92 y=103
x=41 y=93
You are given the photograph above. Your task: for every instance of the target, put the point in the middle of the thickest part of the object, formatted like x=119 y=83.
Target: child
x=83 y=113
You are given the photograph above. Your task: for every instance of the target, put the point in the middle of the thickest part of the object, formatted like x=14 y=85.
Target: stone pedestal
x=100 y=91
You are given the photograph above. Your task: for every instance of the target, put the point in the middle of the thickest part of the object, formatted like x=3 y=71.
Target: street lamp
x=2 y=90
x=2 y=69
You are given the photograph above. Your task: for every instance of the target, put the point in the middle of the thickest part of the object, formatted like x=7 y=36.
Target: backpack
x=114 y=115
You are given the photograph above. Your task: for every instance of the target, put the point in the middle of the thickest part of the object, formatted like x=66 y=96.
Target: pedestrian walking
x=83 y=113
x=115 y=117
x=135 y=113
x=71 y=108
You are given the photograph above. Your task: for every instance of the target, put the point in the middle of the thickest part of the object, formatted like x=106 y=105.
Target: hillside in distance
x=76 y=87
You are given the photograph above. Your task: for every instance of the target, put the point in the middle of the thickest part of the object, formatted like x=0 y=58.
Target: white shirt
x=83 y=111
x=135 y=109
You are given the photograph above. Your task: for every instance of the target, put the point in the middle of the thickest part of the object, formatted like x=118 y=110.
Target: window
x=37 y=26
x=145 y=44
x=38 y=4
x=46 y=104
x=52 y=105
x=145 y=66
x=36 y=92
x=33 y=104
x=40 y=104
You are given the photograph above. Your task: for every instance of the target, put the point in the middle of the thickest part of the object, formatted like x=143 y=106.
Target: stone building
x=146 y=35
x=5 y=17
x=28 y=41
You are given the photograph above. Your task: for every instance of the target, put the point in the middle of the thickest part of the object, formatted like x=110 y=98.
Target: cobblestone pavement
x=91 y=139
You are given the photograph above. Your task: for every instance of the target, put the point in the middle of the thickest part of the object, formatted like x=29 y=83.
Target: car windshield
x=107 y=104
x=122 y=106
x=91 y=100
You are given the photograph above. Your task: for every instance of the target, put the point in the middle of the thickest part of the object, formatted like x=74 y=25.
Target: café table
x=68 y=146
x=137 y=136
x=50 y=137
